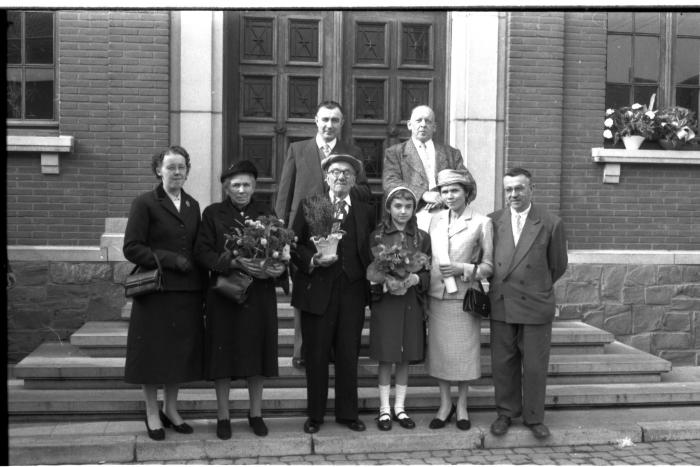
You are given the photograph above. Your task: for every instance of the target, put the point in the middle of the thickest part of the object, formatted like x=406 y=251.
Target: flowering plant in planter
x=635 y=120
x=324 y=228
x=262 y=247
x=675 y=126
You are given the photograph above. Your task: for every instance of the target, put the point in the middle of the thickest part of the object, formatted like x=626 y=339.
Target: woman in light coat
x=462 y=247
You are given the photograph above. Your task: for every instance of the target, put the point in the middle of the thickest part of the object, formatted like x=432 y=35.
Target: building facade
x=95 y=93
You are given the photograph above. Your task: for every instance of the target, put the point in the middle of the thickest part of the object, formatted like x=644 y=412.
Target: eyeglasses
x=337 y=172
x=516 y=189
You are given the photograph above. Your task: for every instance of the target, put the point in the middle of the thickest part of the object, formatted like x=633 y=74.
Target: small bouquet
x=324 y=228
x=395 y=262
x=262 y=247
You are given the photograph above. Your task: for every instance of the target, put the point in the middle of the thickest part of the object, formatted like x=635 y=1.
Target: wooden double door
x=279 y=65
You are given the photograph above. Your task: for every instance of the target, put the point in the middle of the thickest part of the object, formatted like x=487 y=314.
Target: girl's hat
x=387 y=206
x=463 y=177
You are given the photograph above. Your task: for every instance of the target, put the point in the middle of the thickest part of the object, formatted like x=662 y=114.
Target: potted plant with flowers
x=675 y=126
x=324 y=228
x=633 y=124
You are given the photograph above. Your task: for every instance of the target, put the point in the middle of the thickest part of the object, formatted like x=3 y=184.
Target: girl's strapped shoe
x=404 y=420
x=384 y=421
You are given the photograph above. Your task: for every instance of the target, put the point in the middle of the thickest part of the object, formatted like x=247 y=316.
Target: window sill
x=612 y=158
x=50 y=147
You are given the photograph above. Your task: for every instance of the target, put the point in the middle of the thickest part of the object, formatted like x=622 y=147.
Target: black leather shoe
x=223 y=429
x=354 y=425
x=540 y=430
x=311 y=426
x=258 y=425
x=437 y=423
x=157 y=434
x=384 y=421
x=405 y=422
x=464 y=424
x=183 y=428
x=500 y=426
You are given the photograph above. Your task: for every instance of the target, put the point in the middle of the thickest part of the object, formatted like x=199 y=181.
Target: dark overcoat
x=397 y=322
x=166 y=329
x=241 y=339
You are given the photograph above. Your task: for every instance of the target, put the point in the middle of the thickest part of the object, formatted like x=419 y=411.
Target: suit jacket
x=155 y=226
x=469 y=239
x=312 y=286
x=403 y=167
x=302 y=177
x=521 y=289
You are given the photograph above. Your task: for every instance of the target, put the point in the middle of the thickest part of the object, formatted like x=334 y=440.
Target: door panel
x=393 y=62
x=280 y=64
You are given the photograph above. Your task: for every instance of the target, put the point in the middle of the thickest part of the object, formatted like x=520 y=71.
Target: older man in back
x=416 y=162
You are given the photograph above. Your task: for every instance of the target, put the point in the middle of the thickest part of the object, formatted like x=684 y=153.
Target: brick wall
x=555 y=108
x=113 y=98
x=534 y=94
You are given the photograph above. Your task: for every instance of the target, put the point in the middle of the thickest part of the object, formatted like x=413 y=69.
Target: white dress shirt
x=426 y=151
x=514 y=221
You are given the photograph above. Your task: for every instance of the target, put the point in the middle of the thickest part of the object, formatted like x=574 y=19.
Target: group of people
x=190 y=332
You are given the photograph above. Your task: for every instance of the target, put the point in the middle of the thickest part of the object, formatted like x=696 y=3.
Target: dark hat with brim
x=463 y=177
x=355 y=163
x=240 y=167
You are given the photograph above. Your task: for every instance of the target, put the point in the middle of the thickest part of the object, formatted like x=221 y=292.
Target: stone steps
x=56 y=365
x=108 y=338
x=127 y=404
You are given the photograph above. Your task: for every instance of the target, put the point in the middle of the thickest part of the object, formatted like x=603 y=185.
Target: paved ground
x=656 y=453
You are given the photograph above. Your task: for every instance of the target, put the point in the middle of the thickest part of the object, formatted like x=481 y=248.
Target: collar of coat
x=457 y=225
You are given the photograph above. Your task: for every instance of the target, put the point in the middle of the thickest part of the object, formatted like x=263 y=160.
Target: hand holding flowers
x=395 y=265
x=262 y=247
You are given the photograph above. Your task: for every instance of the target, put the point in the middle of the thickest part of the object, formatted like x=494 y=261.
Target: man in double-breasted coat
x=332 y=293
x=529 y=256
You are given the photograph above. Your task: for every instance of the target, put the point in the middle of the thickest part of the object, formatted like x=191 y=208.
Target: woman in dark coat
x=397 y=332
x=241 y=339
x=166 y=329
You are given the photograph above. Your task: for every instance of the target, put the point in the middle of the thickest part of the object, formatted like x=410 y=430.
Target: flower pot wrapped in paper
x=324 y=228
x=676 y=126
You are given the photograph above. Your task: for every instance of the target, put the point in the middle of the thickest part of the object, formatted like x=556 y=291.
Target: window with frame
x=653 y=53
x=31 y=69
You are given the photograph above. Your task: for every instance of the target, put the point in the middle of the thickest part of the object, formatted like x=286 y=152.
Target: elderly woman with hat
x=241 y=338
x=462 y=247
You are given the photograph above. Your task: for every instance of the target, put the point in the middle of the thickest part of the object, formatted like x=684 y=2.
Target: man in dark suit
x=302 y=177
x=416 y=162
x=332 y=293
x=529 y=256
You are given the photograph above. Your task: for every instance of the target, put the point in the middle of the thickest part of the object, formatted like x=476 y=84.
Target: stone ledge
x=634 y=257
x=55 y=253
x=613 y=158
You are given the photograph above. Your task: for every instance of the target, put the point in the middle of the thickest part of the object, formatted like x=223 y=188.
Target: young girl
x=397 y=333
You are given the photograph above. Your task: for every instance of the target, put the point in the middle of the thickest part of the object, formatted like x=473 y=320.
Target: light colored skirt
x=454 y=342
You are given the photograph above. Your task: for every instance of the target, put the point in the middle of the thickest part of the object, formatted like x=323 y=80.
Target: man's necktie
x=326 y=150
x=340 y=209
x=518 y=227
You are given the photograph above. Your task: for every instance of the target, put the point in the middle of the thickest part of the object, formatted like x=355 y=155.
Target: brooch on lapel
x=187 y=203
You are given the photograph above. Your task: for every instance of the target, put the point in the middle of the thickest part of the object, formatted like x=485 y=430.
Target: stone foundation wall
x=654 y=308
x=53 y=299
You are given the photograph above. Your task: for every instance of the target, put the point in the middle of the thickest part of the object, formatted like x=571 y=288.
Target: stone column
x=196 y=64
x=476 y=84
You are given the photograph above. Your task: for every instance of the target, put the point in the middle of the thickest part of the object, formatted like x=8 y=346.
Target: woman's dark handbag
x=142 y=283
x=476 y=301
x=234 y=286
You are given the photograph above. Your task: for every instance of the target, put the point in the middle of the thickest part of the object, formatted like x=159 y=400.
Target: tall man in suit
x=530 y=255
x=302 y=176
x=332 y=293
x=416 y=162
